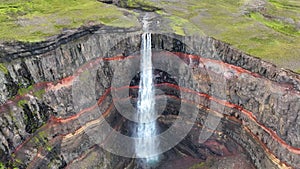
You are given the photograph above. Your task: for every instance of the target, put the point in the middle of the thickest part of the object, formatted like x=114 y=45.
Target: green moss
x=276 y=25
x=42 y=134
x=49 y=148
x=36 y=20
x=16 y=163
x=285 y=4
x=23 y=91
x=39 y=93
x=180 y=25
x=206 y=164
x=142 y=4
x=283 y=8
x=3 y=68
x=40 y=139
x=21 y=103
x=84 y=76
x=2 y=166
x=177 y=25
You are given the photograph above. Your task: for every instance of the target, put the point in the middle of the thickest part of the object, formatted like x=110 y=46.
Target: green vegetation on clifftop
x=269 y=31
x=276 y=25
x=35 y=20
x=141 y=4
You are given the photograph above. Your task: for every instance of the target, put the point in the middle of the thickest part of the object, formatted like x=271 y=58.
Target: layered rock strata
x=55 y=98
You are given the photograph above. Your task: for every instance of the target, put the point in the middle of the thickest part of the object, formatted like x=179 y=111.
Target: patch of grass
x=49 y=148
x=271 y=40
x=2 y=166
x=143 y=4
x=278 y=8
x=180 y=25
x=39 y=93
x=286 y=4
x=177 y=24
x=258 y=40
x=206 y=164
x=35 y=92
x=276 y=25
x=197 y=166
x=16 y=162
x=3 y=68
x=21 y=103
x=36 y=20
x=42 y=139
x=23 y=91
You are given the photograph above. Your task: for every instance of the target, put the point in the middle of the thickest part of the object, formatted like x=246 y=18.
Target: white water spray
x=146 y=146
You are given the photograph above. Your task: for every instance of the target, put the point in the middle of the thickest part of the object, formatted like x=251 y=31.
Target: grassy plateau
x=269 y=29
x=271 y=32
x=35 y=20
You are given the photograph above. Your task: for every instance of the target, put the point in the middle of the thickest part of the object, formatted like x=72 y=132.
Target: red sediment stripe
x=249 y=114
x=170 y=96
x=6 y=107
x=260 y=142
x=65 y=82
x=106 y=113
x=237 y=69
x=55 y=121
x=39 y=154
x=222 y=102
x=266 y=149
x=61 y=137
x=68 y=81
x=92 y=147
x=205 y=60
x=73 y=117
x=81 y=157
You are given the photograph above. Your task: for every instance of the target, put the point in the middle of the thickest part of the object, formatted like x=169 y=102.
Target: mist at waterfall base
x=146 y=146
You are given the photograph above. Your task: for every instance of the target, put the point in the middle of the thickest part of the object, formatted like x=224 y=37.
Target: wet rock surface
x=54 y=93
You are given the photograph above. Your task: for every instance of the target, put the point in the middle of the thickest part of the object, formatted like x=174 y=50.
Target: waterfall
x=146 y=146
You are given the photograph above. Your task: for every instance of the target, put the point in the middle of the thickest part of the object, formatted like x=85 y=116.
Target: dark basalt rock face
x=54 y=122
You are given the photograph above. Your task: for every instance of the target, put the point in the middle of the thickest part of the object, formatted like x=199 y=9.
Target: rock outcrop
x=55 y=95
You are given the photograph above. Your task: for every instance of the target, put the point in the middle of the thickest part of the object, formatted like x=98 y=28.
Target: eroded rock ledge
x=42 y=126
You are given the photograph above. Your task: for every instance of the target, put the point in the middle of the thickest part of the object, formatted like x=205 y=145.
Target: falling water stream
x=146 y=146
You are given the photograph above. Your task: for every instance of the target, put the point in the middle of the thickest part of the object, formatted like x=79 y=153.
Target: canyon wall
x=43 y=117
